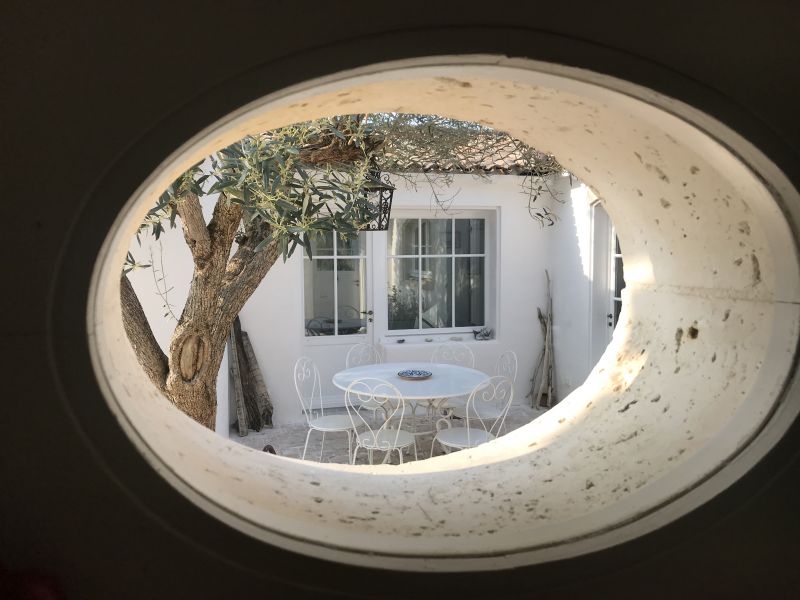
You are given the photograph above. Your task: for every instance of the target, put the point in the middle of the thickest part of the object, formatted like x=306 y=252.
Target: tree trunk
x=221 y=284
x=192 y=380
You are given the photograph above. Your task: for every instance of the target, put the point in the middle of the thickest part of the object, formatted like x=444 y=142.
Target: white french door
x=337 y=305
x=337 y=291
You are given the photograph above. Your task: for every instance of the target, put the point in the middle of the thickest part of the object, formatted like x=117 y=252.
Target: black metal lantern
x=377 y=195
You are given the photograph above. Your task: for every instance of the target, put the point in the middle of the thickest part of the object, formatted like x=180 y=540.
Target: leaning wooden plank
x=238 y=393
x=543 y=384
x=254 y=418
x=262 y=394
x=545 y=400
x=544 y=319
x=551 y=392
x=540 y=370
x=537 y=374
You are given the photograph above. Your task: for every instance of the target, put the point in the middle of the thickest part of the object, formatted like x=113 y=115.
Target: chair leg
x=369 y=456
x=413 y=417
x=415 y=450
x=322 y=447
x=433 y=443
x=355 y=451
x=400 y=454
x=349 y=445
x=308 y=435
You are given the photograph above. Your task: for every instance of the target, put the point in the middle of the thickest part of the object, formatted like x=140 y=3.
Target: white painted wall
x=522 y=249
x=569 y=262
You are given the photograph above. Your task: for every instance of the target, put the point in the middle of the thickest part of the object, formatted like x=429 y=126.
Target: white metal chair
x=363 y=354
x=454 y=353
x=389 y=435
x=506 y=365
x=497 y=393
x=309 y=391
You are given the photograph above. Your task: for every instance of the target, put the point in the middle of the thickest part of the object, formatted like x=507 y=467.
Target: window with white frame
x=335 y=290
x=436 y=274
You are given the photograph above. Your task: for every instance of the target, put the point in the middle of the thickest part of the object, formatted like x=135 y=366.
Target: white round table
x=446 y=381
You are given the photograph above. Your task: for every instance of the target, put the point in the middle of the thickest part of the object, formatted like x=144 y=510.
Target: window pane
x=403 y=236
x=616 y=246
x=403 y=293
x=436 y=236
x=617 y=309
x=351 y=284
x=469 y=236
x=436 y=280
x=469 y=290
x=352 y=247
x=319 y=297
x=322 y=245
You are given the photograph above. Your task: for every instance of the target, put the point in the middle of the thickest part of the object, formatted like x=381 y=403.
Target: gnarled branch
x=194 y=227
x=148 y=352
x=243 y=278
x=224 y=223
x=256 y=232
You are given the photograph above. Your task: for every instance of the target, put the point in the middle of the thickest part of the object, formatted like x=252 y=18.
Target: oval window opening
x=684 y=400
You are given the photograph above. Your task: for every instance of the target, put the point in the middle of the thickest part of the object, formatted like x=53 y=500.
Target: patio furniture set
x=389 y=405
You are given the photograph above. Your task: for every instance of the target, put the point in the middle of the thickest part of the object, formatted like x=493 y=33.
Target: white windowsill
x=435 y=339
x=334 y=340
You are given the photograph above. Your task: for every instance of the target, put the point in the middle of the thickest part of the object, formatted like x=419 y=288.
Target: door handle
x=367 y=312
x=610 y=318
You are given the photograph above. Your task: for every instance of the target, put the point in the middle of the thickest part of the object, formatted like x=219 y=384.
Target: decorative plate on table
x=414 y=374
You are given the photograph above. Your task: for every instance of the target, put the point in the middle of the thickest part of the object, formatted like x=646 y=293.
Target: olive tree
x=275 y=192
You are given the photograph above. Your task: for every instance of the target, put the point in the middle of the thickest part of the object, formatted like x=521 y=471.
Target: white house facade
x=435 y=276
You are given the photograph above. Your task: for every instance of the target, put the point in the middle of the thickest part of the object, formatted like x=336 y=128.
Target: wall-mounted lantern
x=377 y=195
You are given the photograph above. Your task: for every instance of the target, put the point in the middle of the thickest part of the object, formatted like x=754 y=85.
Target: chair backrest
x=363 y=354
x=506 y=365
x=497 y=392
x=390 y=399
x=309 y=389
x=454 y=353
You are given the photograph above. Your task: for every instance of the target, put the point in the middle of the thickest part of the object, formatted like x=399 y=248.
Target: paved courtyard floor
x=288 y=440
